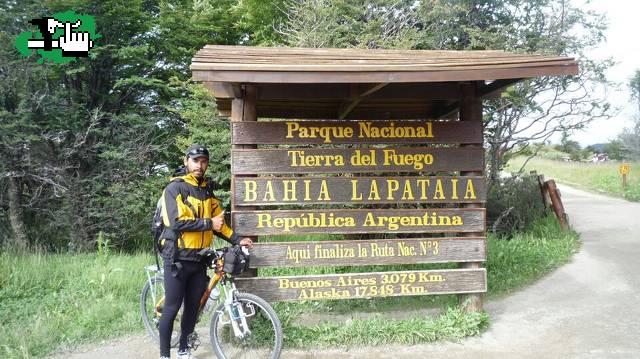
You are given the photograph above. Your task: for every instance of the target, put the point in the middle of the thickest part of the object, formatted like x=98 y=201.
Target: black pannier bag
x=236 y=261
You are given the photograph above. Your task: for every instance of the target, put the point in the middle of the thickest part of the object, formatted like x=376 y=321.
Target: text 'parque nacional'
x=364 y=129
x=355 y=131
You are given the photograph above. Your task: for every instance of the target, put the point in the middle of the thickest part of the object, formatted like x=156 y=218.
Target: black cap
x=196 y=150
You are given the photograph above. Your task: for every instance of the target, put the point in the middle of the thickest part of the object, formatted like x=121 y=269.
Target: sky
x=623 y=45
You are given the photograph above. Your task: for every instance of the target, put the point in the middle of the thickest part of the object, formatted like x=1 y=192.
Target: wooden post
x=244 y=109
x=546 y=201
x=558 y=208
x=470 y=110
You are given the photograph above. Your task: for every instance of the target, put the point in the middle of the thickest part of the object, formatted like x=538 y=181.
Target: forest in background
x=86 y=147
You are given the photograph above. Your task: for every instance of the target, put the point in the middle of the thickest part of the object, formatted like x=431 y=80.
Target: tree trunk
x=16 y=219
x=79 y=238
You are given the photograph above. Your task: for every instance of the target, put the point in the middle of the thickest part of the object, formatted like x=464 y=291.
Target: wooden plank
x=203 y=73
x=381 y=110
x=431 y=220
x=251 y=191
x=471 y=111
x=556 y=202
x=357 y=66
x=368 y=252
x=243 y=109
x=366 y=285
x=342 y=160
x=330 y=131
x=338 y=92
x=224 y=90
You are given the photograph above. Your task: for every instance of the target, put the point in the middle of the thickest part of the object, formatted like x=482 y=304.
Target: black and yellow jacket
x=188 y=206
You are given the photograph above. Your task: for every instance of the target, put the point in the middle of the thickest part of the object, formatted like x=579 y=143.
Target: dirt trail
x=586 y=309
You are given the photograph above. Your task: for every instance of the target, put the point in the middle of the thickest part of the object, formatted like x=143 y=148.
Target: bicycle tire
x=149 y=317
x=265 y=340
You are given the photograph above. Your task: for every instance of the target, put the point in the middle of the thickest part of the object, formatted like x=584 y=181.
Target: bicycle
x=242 y=324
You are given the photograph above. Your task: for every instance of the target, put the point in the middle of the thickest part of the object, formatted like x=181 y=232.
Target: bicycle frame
x=235 y=310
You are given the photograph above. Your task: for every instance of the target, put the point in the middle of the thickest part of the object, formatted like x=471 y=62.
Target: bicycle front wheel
x=151 y=312
x=264 y=338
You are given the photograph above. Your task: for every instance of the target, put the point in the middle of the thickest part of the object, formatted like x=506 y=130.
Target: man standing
x=191 y=215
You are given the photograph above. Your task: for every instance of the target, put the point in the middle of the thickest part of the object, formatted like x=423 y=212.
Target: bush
x=513 y=204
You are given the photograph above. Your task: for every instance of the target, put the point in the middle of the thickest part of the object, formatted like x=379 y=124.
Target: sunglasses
x=198 y=152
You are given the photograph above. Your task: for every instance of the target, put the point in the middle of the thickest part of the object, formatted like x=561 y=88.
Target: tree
x=634 y=86
x=570 y=147
x=86 y=145
x=360 y=23
x=630 y=137
x=536 y=109
x=530 y=111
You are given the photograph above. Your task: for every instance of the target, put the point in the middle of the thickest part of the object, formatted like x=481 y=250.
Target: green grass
x=53 y=301
x=603 y=177
x=50 y=301
x=526 y=257
x=453 y=323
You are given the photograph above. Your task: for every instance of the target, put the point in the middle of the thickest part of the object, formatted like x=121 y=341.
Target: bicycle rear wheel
x=265 y=339
x=152 y=312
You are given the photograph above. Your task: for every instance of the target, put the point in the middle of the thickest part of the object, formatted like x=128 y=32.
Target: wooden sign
x=368 y=252
x=335 y=132
x=432 y=220
x=251 y=191
x=343 y=160
x=366 y=285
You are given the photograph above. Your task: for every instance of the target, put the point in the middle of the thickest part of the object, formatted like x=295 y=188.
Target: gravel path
x=586 y=309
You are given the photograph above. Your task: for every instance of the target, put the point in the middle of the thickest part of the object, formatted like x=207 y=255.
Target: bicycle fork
x=154 y=270
x=237 y=315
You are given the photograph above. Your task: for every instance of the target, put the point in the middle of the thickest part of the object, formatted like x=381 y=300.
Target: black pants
x=188 y=285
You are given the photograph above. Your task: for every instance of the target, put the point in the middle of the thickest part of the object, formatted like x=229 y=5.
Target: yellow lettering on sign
x=268 y=193
x=305 y=220
x=409 y=289
x=428 y=219
x=368 y=130
x=337 y=251
x=355 y=196
x=332 y=293
x=392 y=186
x=250 y=187
x=373 y=191
x=405 y=250
x=362 y=158
x=383 y=250
x=429 y=246
x=292 y=283
x=300 y=159
x=439 y=193
x=418 y=160
x=324 y=192
x=289 y=190
x=307 y=191
x=423 y=187
x=327 y=133
x=349 y=281
x=407 y=194
x=297 y=254
x=454 y=188
x=471 y=191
